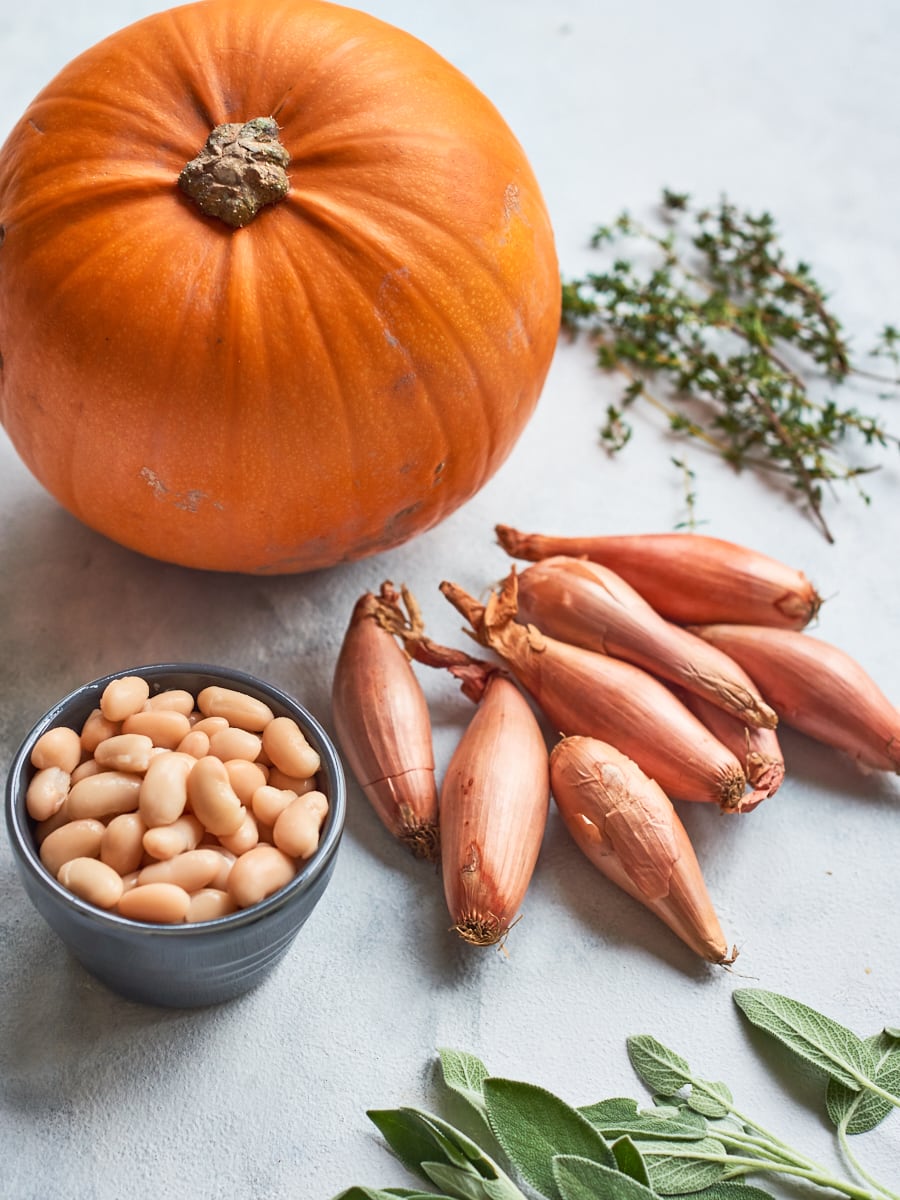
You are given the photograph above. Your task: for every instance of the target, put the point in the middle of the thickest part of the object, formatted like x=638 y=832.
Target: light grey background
x=792 y=107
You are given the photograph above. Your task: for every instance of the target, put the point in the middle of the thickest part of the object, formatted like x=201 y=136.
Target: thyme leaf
x=739 y=343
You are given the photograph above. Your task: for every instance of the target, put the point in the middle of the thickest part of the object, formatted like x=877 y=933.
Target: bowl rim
x=25 y=849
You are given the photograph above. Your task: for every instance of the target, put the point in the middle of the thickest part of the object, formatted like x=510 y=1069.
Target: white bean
x=124 y=696
x=296 y=831
x=158 y=903
x=92 y=880
x=212 y=798
x=236 y=707
x=75 y=839
x=59 y=747
x=259 y=873
x=165 y=841
x=47 y=792
x=287 y=747
x=125 y=752
x=104 y=795
x=163 y=794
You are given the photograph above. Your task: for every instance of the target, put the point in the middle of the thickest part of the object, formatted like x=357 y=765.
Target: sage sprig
x=691 y=1142
x=712 y=323
x=841 y=1054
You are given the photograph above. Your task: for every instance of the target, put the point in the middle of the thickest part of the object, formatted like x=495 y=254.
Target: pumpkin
x=278 y=287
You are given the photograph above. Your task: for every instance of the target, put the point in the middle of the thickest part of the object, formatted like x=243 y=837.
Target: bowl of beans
x=176 y=824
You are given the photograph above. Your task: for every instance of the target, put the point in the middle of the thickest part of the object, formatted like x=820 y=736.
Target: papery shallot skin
x=383 y=726
x=495 y=797
x=583 y=692
x=817 y=688
x=689 y=578
x=758 y=750
x=588 y=605
x=626 y=825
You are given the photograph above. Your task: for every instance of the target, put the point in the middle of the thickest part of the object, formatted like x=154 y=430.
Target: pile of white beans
x=173 y=808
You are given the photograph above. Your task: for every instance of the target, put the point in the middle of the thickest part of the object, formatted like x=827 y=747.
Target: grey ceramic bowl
x=177 y=965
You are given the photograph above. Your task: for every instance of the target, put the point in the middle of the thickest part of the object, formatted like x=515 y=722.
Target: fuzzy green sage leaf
x=679 y=1167
x=532 y=1125
x=464 y=1074
x=618 y=1118
x=661 y=1069
x=630 y=1161
x=417 y=1138
x=730 y=1190
x=714 y=1101
x=577 y=1178
x=462 y=1184
x=818 y=1039
x=859 y=1112
x=365 y=1193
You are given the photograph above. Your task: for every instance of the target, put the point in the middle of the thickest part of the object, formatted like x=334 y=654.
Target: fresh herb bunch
x=740 y=337
x=693 y=1143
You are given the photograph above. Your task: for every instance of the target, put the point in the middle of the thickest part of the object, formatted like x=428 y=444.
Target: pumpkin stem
x=239 y=170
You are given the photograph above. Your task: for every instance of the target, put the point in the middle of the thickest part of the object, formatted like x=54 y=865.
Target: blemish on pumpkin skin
x=34 y=125
x=405 y=382
x=189 y=501
x=512 y=205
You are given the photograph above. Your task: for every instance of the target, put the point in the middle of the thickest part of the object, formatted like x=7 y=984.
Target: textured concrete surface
x=792 y=108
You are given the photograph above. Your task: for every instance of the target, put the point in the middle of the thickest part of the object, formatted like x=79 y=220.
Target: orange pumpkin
x=338 y=373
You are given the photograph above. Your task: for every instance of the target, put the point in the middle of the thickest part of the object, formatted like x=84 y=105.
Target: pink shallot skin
x=817 y=688
x=588 y=605
x=495 y=797
x=626 y=825
x=583 y=692
x=688 y=578
x=758 y=750
x=384 y=728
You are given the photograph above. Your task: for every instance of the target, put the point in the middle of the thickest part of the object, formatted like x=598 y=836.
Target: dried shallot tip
x=689 y=578
x=589 y=605
x=583 y=692
x=384 y=728
x=471 y=672
x=495 y=798
x=627 y=827
x=817 y=688
x=758 y=750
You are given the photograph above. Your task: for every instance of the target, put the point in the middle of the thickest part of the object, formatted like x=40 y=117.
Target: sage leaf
x=464 y=1074
x=577 y=1178
x=410 y=1137
x=623 y=1118
x=714 y=1100
x=532 y=1125
x=462 y=1184
x=818 y=1039
x=660 y=1068
x=893 y=1031
x=417 y=1137
x=413 y=1195
x=365 y=1193
x=679 y=1167
x=629 y=1160
x=730 y=1190
x=409 y=1194
x=859 y=1112
x=617 y=1108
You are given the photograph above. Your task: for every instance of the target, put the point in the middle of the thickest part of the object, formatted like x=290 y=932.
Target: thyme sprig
x=744 y=341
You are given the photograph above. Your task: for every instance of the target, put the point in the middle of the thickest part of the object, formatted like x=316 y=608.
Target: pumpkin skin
x=324 y=383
